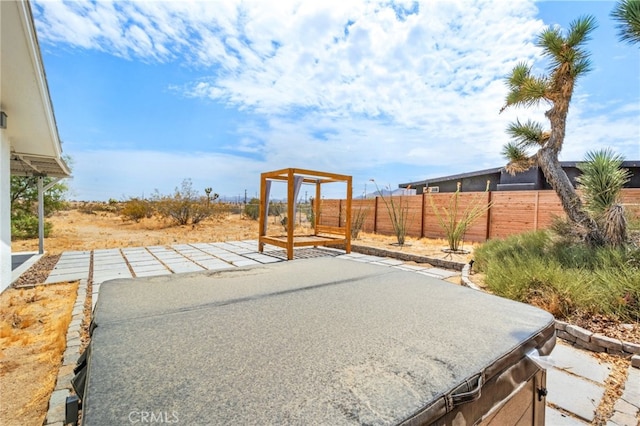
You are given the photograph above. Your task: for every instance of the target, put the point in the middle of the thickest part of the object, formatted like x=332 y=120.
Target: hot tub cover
x=317 y=341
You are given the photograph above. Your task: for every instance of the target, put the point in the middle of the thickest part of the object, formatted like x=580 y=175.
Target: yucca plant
x=627 y=14
x=601 y=182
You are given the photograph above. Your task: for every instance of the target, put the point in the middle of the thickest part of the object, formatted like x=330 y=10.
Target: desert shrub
x=89 y=207
x=184 y=205
x=252 y=209
x=455 y=219
x=563 y=278
x=357 y=221
x=25 y=225
x=234 y=208
x=221 y=210
x=136 y=209
x=277 y=208
x=311 y=212
x=398 y=213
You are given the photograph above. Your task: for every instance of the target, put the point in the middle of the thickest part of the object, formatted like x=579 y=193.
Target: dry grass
x=74 y=230
x=33 y=331
x=614 y=386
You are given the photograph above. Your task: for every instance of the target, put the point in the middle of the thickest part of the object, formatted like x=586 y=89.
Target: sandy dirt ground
x=33 y=330
x=75 y=230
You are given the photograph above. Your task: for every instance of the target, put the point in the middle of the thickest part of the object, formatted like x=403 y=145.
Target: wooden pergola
x=323 y=235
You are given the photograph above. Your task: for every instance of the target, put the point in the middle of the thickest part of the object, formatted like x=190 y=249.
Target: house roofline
x=564 y=164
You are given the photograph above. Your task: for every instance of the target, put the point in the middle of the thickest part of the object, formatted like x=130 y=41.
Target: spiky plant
x=398 y=214
x=602 y=180
x=455 y=219
x=615 y=225
x=601 y=183
x=627 y=14
x=534 y=145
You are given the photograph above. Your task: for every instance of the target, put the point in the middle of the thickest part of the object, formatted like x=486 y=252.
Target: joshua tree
x=568 y=60
x=627 y=13
x=208 y=192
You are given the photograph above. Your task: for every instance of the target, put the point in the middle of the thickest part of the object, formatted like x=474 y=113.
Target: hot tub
x=316 y=341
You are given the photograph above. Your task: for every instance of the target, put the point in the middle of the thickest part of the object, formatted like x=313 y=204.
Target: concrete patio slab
x=442 y=273
x=215 y=263
x=554 y=417
x=390 y=262
x=574 y=394
x=142 y=263
x=263 y=258
x=53 y=279
x=153 y=273
x=198 y=256
x=101 y=277
x=137 y=269
x=580 y=363
x=107 y=266
x=245 y=262
x=181 y=267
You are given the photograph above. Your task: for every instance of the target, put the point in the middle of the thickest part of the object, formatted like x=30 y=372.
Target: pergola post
x=291 y=221
x=323 y=235
x=348 y=211
x=316 y=216
x=263 y=211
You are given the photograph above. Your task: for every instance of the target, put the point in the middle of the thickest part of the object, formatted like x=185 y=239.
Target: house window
x=433 y=189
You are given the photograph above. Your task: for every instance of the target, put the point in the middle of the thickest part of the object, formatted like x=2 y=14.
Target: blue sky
x=149 y=93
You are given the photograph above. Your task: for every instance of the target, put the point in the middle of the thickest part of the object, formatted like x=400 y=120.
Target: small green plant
x=24 y=225
x=311 y=213
x=276 y=208
x=455 y=221
x=398 y=214
x=252 y=209
x=136 y=209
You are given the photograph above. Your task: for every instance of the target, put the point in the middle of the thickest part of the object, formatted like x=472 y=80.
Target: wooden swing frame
x=323 y=235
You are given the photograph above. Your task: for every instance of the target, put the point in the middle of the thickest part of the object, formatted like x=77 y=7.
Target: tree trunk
x=571 y=203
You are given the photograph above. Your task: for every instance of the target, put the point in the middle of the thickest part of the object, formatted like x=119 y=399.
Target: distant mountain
x=386 y=193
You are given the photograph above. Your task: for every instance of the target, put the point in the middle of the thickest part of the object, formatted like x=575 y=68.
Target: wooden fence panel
x=446 y=202
x=412 y=206
x=549 y=208
x=631 y=201
x=367 y=208
x=512 y=212
x=330 y=212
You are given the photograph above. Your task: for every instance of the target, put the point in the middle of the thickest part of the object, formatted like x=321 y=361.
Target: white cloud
x=339 y=85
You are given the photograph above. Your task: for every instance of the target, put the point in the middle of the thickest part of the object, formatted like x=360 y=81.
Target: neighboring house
x=29 y=141
x=500 y=180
